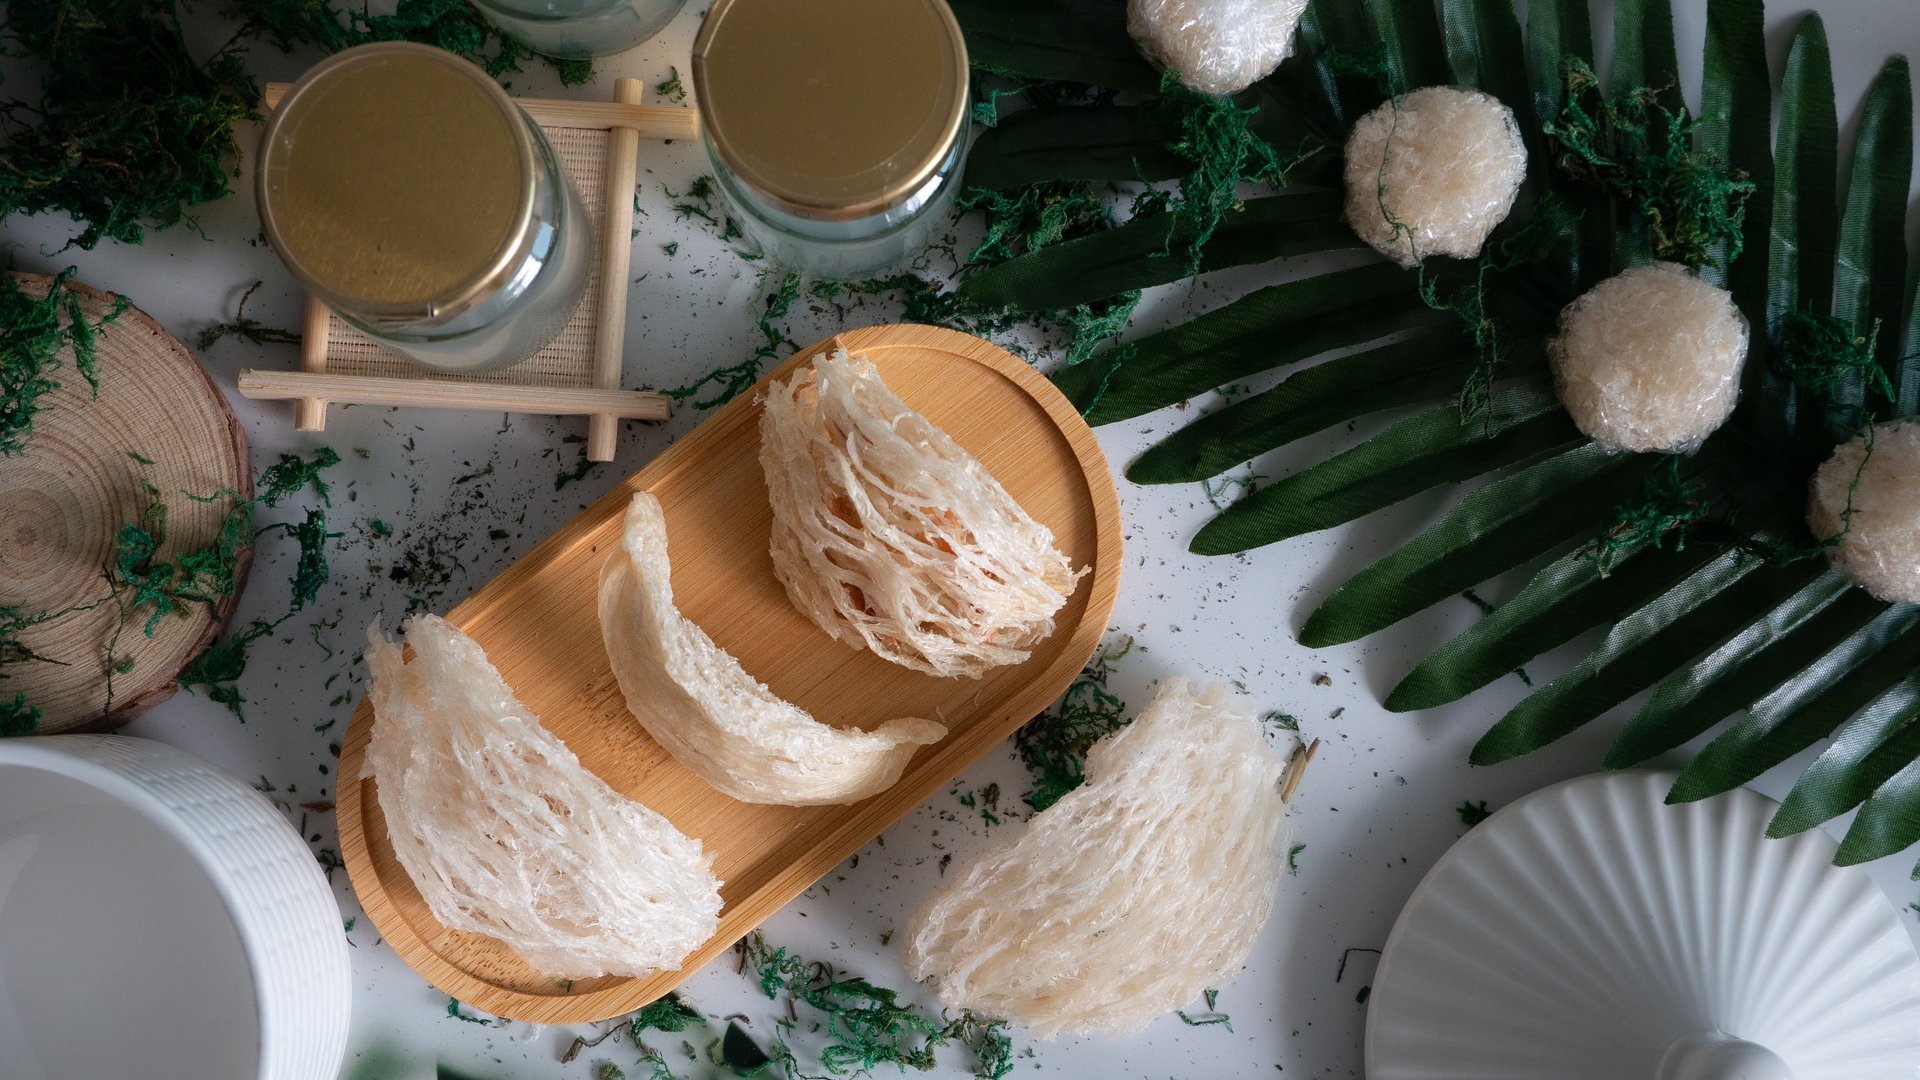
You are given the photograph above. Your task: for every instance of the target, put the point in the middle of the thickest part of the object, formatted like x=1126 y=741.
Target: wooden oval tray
x=539 y=625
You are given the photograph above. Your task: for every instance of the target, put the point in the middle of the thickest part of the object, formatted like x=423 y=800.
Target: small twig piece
x=1297 y=768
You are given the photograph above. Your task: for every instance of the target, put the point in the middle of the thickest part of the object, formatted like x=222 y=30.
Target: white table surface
x=1377 y=808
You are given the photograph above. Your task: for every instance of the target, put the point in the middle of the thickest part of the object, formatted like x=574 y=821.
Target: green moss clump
x=131 y=129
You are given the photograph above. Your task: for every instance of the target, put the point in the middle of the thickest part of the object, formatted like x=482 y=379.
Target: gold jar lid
x=397 y=181
x=831 y=109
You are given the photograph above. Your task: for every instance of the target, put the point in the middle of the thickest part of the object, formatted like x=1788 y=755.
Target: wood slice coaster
x=540 y=625
x=64 y=500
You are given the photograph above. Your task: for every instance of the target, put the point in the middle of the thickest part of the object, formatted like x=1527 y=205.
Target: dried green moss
x=1642 y=154
x=1667 y=507
x=866 y=1025
x=1054 y=744
x=17 y=717
x=34 y=331
x=1834 y=370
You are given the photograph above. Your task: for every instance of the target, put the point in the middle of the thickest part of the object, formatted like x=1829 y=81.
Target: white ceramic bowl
x=1590 y=931
x=159 y=919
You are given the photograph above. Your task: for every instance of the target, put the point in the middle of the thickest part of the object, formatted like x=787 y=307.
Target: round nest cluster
x=1217 y=46
x=1649 y=360
x=1868 y=494
x=1432 y=172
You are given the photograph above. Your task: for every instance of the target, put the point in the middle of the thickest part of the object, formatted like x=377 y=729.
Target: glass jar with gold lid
x=405 y=190
x=837 y=129
x=580 y=28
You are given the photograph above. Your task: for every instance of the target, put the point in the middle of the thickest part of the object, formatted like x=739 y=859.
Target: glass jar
x=837 y=129
x=580 y=28
x=405 y=190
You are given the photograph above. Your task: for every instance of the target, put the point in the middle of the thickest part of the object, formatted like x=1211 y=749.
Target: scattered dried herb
x=1473 y=813
x=1054 y=744
x=1215 y=1016
x=1281 y=720
x=221 y=663
x=733 y=379
x=575 y=474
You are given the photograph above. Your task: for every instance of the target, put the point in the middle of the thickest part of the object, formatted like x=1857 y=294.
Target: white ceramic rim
x=44 y=753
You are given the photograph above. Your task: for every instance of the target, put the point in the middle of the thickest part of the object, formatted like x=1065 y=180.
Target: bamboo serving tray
x=539 y=624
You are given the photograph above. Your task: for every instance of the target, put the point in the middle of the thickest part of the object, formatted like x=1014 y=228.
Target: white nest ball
x=1881 y=546
x=1649 y=359
x=1217 y=46
x=1432 y=172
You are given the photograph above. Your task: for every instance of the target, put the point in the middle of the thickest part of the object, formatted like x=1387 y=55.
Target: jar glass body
x=580 y=28
x=530 y=308
x=852 y=247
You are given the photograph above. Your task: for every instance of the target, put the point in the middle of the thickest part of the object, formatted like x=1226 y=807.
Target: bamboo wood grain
x=311 y=413
x=623 y=163
x=538 y=623
x=65 y=497
x=650 y=121
x=446 y=394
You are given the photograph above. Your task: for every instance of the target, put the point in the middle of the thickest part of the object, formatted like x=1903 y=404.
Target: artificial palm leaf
x=1145 y=252
x=1570 y=596
x=1426 y=363
x=1502 y=525
x=1865 y=754
x=1411 y=456
x=1809 y=707
x=1751 y=664
x=1708 y=587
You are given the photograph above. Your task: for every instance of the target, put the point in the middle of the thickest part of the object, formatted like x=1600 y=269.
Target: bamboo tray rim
x=853 y=826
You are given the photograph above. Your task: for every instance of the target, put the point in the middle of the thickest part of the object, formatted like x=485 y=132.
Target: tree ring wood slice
x=540 y=625
x=64 y=499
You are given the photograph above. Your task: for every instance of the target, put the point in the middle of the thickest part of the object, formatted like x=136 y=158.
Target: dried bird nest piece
x=506 y=834
x=1217 y=46
x=890 y=536
x=1868 y=494
x=1432 y=173
x=1135 y=892
x=696 y=700
x=1649 y=359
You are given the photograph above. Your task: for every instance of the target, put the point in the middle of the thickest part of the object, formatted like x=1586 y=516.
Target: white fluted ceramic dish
x=159 y=919
x=1590 y=932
